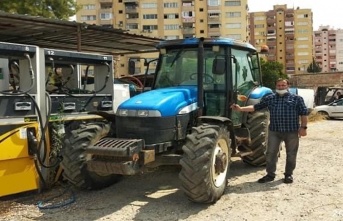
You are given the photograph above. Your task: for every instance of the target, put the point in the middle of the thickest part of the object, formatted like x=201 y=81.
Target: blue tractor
x=184 y=119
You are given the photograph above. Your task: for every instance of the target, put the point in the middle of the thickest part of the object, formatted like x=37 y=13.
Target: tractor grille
x=116 y=147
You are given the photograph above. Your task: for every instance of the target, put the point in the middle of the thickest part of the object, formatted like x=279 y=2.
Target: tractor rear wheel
x=205 y=163
x=75 y=169
x=257 y=123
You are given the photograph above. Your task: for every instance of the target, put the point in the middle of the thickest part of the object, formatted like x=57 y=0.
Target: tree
x=60 y=9
x=314 y=67
x=271 y=71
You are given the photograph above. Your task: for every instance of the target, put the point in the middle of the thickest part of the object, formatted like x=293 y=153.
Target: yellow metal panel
x=14 y=144
x=17 y=168
x=17 y=175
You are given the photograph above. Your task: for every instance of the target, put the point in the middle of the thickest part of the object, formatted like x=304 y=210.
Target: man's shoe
x=266 y=179
x=288 y=179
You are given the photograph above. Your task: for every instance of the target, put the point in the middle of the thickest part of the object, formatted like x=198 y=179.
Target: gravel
x=316 y=194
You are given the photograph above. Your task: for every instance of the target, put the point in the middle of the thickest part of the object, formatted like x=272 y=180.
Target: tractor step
x=243 y=151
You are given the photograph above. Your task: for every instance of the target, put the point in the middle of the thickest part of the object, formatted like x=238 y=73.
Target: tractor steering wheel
x=134 y=80
x=208 y=79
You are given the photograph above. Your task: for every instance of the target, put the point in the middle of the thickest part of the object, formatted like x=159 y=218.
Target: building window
x=302 y=39
x=302 y=46
x=213 y=2
x=105 y=16
x=171 y=37
x=232 y=3
x=187 y=14
x=302 y=16
x=88 y=17
x=171 y=27
x=106 y=6
x=170 y=5
x=150 y=27
x=303 y=23
x=150 y=16
x=132 y=26
x=259 y=18
x=259 y=26
x=171 y=16
x=233 y=14
x=303 y=53
x=213 y=15
x=233 y=25
x=88 y=7
x=149 y=5
x=302 y=31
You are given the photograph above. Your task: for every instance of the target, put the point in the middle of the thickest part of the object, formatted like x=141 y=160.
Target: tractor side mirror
x=218 y=66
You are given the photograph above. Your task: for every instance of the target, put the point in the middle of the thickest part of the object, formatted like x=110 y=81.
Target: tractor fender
x=109 y=117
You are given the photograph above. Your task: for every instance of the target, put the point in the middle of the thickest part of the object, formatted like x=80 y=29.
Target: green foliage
x=314 y=67
x=59 y=9
x=271 y=71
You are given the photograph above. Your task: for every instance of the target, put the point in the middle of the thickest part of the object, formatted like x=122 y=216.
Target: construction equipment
x=184 y=119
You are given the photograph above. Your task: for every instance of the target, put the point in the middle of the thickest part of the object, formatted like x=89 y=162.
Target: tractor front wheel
x=75 y=169
x=205 y=163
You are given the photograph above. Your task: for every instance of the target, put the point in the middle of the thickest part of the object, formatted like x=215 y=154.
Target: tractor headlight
x=138 y=113
x=123 y=112
x=148 y=113
x=142 y=113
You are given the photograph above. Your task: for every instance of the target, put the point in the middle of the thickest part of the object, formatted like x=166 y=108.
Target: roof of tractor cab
x=72 y=36
x=206 y=41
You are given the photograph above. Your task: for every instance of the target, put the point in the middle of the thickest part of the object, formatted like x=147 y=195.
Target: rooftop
x=72 y=36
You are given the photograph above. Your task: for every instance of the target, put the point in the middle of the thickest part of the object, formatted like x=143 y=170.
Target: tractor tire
x=73 y=163
x=257 y=123
x=205 y=163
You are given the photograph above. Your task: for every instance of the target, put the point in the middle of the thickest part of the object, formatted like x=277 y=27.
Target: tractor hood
x=168 y=101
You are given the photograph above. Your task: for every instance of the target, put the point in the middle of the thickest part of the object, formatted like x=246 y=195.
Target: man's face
x=281 y=85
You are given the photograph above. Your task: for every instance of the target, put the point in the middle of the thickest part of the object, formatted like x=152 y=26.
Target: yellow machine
x=17 y=167
x=19 y=121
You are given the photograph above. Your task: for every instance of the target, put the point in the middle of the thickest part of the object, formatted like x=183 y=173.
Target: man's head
x=281 y=86
x=338 y=93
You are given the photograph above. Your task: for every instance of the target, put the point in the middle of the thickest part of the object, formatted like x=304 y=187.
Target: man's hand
x=235 y=107
x=302 y=132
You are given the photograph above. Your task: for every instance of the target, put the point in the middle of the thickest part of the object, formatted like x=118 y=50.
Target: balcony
x=214 y=32
x=290 y=50
x=188 y=20
x=105 y=1
x=213 y=20
x=290 y=57
x=105 y=10
x=129 y=10
x=188 y=31
x=106 y=22
x=188 y=8
x=132 y=20
x=130 y=1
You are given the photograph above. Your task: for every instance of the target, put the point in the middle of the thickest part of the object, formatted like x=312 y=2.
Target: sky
x=325 y=12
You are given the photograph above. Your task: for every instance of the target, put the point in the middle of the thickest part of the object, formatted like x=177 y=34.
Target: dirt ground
x=316 y=194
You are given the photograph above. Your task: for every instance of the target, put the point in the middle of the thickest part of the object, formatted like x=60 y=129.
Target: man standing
x=285 y=110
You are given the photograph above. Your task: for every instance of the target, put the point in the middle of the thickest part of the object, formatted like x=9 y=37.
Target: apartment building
x=328 y=45
x=288 y=34
x=167 y=19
